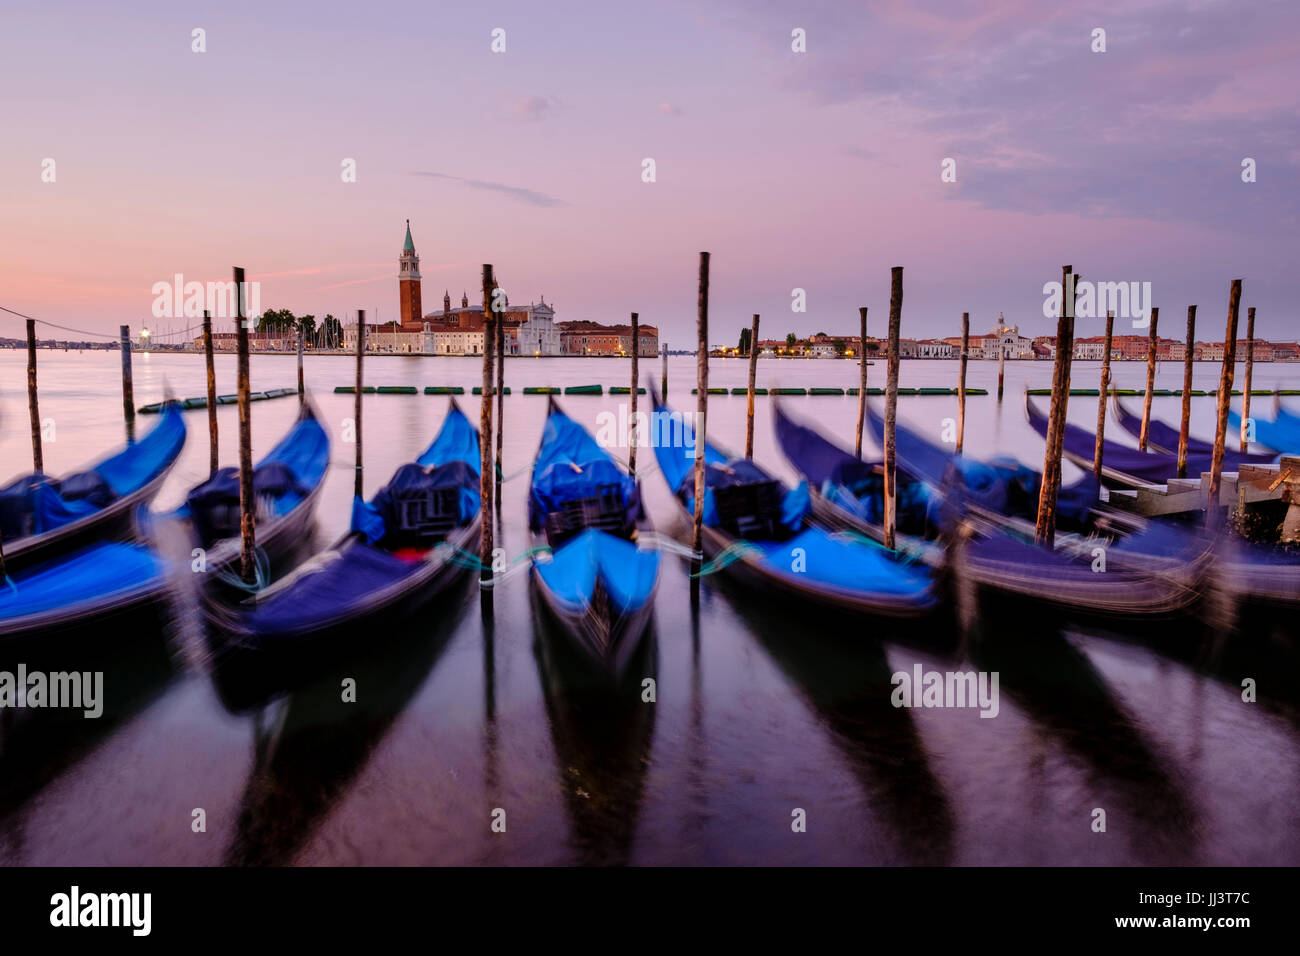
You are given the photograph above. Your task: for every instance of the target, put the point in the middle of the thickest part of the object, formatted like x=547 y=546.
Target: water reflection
x=309 y=747
x=602 y=731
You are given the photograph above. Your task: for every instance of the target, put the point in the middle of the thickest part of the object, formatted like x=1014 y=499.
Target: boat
x=1148 y=568
x=1161 y=438
x=1132 y=467
x=586 y=516
x=41 y=517
x=287 y=484
x=761 y=532
x=1282 y=434
x=404 y=546
x=91 y=585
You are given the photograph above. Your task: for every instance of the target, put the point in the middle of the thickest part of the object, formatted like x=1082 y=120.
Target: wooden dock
x=1239 y=490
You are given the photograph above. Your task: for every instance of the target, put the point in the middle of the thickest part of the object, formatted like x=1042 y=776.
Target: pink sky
x=817 y=170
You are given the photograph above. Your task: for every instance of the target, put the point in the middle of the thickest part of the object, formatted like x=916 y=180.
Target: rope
x=261 y=574
x=736 y=551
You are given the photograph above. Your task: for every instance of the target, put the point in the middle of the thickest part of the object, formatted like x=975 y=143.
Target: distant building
x=594 y=338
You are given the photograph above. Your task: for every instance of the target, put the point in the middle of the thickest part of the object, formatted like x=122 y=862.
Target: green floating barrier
x=1127 y=392
x=788 y=391
x=977 y=391
x=710 y=391
x=338 y=390
x=825 y=391
x=624 y=390
x=234 y=399
x=271 y=393
x=1164 y=392
x=258 y=396
x=908 y=391
x=191 y=403
x=152 y=409
x=745 y=391
x=1260 y=391
x=1288 y=391
x=1085 y=391
x=444 y=390
x=936 y=391
x=585 y=390
x=1199 y=391
x=535 y=390
x=478 y=390
x=397 y=390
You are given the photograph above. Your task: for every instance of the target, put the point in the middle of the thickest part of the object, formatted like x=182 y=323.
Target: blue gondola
x=41 y=517
x=1148 y=568
x=1282 y=434
x=759 y=530
x=1130 y=466
x=287 y=484
x=585 y=513
x=404 y=546
x=93 y=583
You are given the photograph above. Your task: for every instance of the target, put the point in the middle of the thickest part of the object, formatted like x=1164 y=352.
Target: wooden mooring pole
x=961 y=380
x=1151 y=381
x=636 y=375
x=1185 y=424
x=1225 y=402
x=1250 y=378
x=753 y=371
x=247 y=497
x=1045 y=527
x=302 y=388
x=663 y=379
x=486 y=482
x=701 y=411
x=128 y=389
x=1002 y=369
x=891 y=405
x=356 y=401
x=212 y=393
x=862 y=377
x=33 y=405
x=500 y=360
x=1099 y=452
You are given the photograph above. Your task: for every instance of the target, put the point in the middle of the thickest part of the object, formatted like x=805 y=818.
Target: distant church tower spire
x=464 y=301
x=408 y=282
x=446 y=302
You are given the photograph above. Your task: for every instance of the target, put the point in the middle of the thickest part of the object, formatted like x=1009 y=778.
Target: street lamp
x=144 y=339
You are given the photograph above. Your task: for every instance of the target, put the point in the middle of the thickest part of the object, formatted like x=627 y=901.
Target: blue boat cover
x=35 y=504
x=450 y=465
x=1282 y=434
x=854 y=485
x=329 y=588
x=572 y=466
x=1146 y=466
x=281 y=480
x=627 y=573
x=1001 y=485
x=97 y=574
x=846 y=563
x=677 y=462
x=1159 y=434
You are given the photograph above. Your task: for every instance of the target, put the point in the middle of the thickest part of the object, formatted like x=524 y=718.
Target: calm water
x=761 y=709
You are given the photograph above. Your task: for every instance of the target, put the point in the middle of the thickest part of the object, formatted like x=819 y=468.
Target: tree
x=744 y=341
x=790 y=340
x=276 y=321
x=306 y=324
x=839 y=346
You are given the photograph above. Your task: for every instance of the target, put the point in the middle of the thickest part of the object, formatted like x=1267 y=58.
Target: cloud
x=1154 y=128
x=530 y=196
x=532 y=108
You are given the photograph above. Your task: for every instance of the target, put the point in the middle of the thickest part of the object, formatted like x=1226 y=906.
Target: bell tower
x=408 y=282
